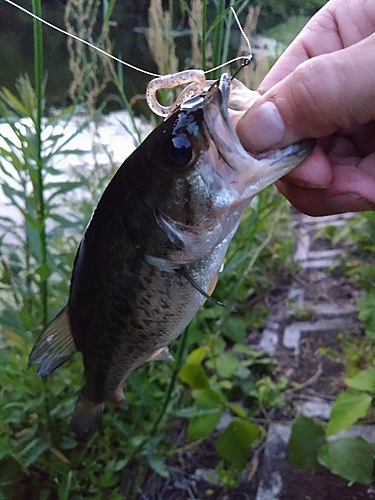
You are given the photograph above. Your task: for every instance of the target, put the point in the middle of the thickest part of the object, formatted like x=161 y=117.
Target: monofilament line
x=250 y=56
x=239 y=58
x=64 y=32
x=80 y=39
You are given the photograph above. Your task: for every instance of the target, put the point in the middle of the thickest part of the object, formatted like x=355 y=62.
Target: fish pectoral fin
x=213 y=284
x=54 y=346
x=87 y=417
x=162 y=354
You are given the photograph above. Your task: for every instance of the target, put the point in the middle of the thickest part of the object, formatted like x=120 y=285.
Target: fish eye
x=179 y=149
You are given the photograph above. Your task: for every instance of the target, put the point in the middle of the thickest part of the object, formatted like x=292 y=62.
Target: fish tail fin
x=87 y=417
x=54 y=346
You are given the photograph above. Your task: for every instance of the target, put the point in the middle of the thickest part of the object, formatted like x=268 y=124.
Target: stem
x=167 y=399
x=218 y=37
x=172 y=382
x=204 y=34
x=41 y=215
x=227 y=35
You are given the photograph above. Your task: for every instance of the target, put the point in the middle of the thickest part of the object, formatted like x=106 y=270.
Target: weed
x=312 y=442
x=39 y=458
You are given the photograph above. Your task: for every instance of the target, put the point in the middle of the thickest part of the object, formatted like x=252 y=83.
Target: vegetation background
x=215 y=372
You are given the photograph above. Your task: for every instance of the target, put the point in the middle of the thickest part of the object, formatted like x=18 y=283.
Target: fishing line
x=250 y=56
x=81 y=40
x=135 y=68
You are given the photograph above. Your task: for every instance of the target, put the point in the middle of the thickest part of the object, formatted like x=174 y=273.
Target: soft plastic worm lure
x=195 y=78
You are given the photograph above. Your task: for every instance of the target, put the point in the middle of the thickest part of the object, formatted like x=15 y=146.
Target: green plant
x=235 y=382
x=359 y=263
x=39 y=458
x=311 y=441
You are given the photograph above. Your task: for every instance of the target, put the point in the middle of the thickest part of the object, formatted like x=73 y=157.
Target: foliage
x=359 y=262
x=286 y=32
x=311 y=441
x=275 y=12
x=222 y=376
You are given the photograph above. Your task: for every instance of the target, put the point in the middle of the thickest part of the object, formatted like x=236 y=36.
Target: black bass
x=153 y=249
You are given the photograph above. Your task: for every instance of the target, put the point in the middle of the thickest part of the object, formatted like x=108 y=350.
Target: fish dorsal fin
x=54 y=346
x=162 y=354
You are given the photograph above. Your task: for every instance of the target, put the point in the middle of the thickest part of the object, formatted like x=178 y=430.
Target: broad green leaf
x=305 y=440
x=217 y=345
x=351 y=458
x=237 y=410
x=235 y=329
x=194 y=411
x=157 y=463
x=201 y=427
x=243 y=349
x=225 y=384
x=44 y=271
x=195 y=376
x=208 y=398
x=348 y=408
x=235 y=441
x=226 y=364
x=363 y=381
x=196 y=356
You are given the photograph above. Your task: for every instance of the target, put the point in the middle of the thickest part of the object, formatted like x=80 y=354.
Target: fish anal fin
x=54 y=346
x=162 y=354
x=87 y=417
x=118 y=398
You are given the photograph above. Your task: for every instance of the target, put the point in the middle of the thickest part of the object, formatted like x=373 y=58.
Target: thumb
x=322 y=95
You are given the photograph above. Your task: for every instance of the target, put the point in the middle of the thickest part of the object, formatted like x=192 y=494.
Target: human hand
x=323 y=87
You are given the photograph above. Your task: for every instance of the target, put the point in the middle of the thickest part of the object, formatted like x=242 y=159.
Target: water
x=16 y=47
x=100 y=146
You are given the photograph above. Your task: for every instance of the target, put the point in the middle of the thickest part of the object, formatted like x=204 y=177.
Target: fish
x=153 y=250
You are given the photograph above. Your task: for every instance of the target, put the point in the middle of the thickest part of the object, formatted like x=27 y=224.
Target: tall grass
x=39 y=458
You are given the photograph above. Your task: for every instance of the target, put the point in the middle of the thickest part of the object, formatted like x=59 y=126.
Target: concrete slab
x=319 y=408
x=293 y=332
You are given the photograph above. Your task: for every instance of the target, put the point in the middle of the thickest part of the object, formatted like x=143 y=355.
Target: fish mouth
x=258 y=170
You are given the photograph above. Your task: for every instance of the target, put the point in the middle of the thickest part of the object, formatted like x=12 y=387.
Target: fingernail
x=261 y=127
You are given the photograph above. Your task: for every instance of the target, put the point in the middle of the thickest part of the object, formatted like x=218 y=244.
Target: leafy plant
x=311 y=441
x=234 y=383
x=39 y=458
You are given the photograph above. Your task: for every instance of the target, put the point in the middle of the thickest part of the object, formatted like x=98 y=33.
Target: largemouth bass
x=153 y=249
